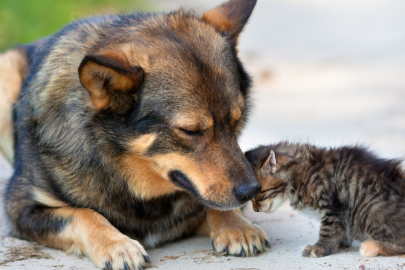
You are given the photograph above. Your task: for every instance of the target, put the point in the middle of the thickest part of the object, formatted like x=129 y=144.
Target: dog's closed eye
x=191 y=132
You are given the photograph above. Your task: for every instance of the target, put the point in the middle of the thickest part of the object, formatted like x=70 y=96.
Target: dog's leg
x=82 y=231
x=232 y=234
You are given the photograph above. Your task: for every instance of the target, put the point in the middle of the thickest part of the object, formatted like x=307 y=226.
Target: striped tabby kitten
x=359 y=195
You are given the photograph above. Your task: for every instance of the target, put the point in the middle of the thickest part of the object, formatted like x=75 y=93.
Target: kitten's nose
x=246 y=192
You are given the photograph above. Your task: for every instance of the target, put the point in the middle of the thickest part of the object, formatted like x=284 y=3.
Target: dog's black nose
x=246 y=192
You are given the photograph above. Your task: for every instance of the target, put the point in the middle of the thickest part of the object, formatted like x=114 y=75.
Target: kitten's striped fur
x=360 y=195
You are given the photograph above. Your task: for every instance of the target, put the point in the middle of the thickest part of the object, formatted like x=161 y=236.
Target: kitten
x=359 y=195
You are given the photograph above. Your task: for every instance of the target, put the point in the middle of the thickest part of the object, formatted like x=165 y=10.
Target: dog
x=125 y=136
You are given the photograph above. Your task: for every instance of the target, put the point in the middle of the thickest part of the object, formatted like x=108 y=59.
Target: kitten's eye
x=259 y=198
x=193 y=133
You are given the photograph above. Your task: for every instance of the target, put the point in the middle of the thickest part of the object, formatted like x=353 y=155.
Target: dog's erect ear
x=111 y=81
x=230 y=17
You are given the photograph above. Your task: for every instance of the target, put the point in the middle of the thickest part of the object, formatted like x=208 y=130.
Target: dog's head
x=172 y=97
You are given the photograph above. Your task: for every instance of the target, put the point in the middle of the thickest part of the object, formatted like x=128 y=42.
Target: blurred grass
x=23 y=21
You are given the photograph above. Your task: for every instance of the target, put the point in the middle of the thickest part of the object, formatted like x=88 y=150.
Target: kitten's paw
x=370 y=248
x=314 y=251
x=244 y=240
x=119 y=252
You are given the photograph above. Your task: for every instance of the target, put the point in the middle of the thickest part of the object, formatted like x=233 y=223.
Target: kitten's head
x=272 y=171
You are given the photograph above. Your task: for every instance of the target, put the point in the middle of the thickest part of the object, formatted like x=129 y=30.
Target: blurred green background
x=23 y=21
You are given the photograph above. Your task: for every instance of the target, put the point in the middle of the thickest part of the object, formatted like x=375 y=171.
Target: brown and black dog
x=126 y=132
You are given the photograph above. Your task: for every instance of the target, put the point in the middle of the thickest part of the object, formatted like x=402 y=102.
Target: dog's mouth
x=180 y=180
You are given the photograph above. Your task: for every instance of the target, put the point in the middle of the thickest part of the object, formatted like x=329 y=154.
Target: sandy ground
x=326 y=72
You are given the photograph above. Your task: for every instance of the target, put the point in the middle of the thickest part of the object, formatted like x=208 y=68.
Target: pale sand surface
x=326 y=72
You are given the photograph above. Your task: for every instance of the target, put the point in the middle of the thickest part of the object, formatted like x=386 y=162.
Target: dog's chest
x=163 y=219
x=176 y=205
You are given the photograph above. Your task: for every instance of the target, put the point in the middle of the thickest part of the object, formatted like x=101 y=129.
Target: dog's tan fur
x=230 y=230
x=86 y=234
x=13 y=70
x=145 y=178
x=47 y=199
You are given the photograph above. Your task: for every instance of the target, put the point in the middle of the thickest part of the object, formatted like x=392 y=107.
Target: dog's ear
x=111 y=81
x=230 y=17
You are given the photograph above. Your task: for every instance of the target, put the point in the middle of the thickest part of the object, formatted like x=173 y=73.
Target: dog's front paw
x=315 y=251
x=119 y=252
x=243 y=240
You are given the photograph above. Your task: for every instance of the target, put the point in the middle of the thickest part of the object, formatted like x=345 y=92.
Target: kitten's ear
x=269 y=166
x=230 y=17
x=111 y=81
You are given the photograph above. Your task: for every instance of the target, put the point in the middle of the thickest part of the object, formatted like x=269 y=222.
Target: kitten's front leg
x=332 y=231
x=346 y=242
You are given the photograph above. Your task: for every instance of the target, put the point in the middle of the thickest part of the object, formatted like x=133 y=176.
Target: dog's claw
x=243 y=253
x=108 y=265
x=267 y=243
x=126 y=266
x=255 y=250
x=146 y=257
x=140 y=267
x=225 y=250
